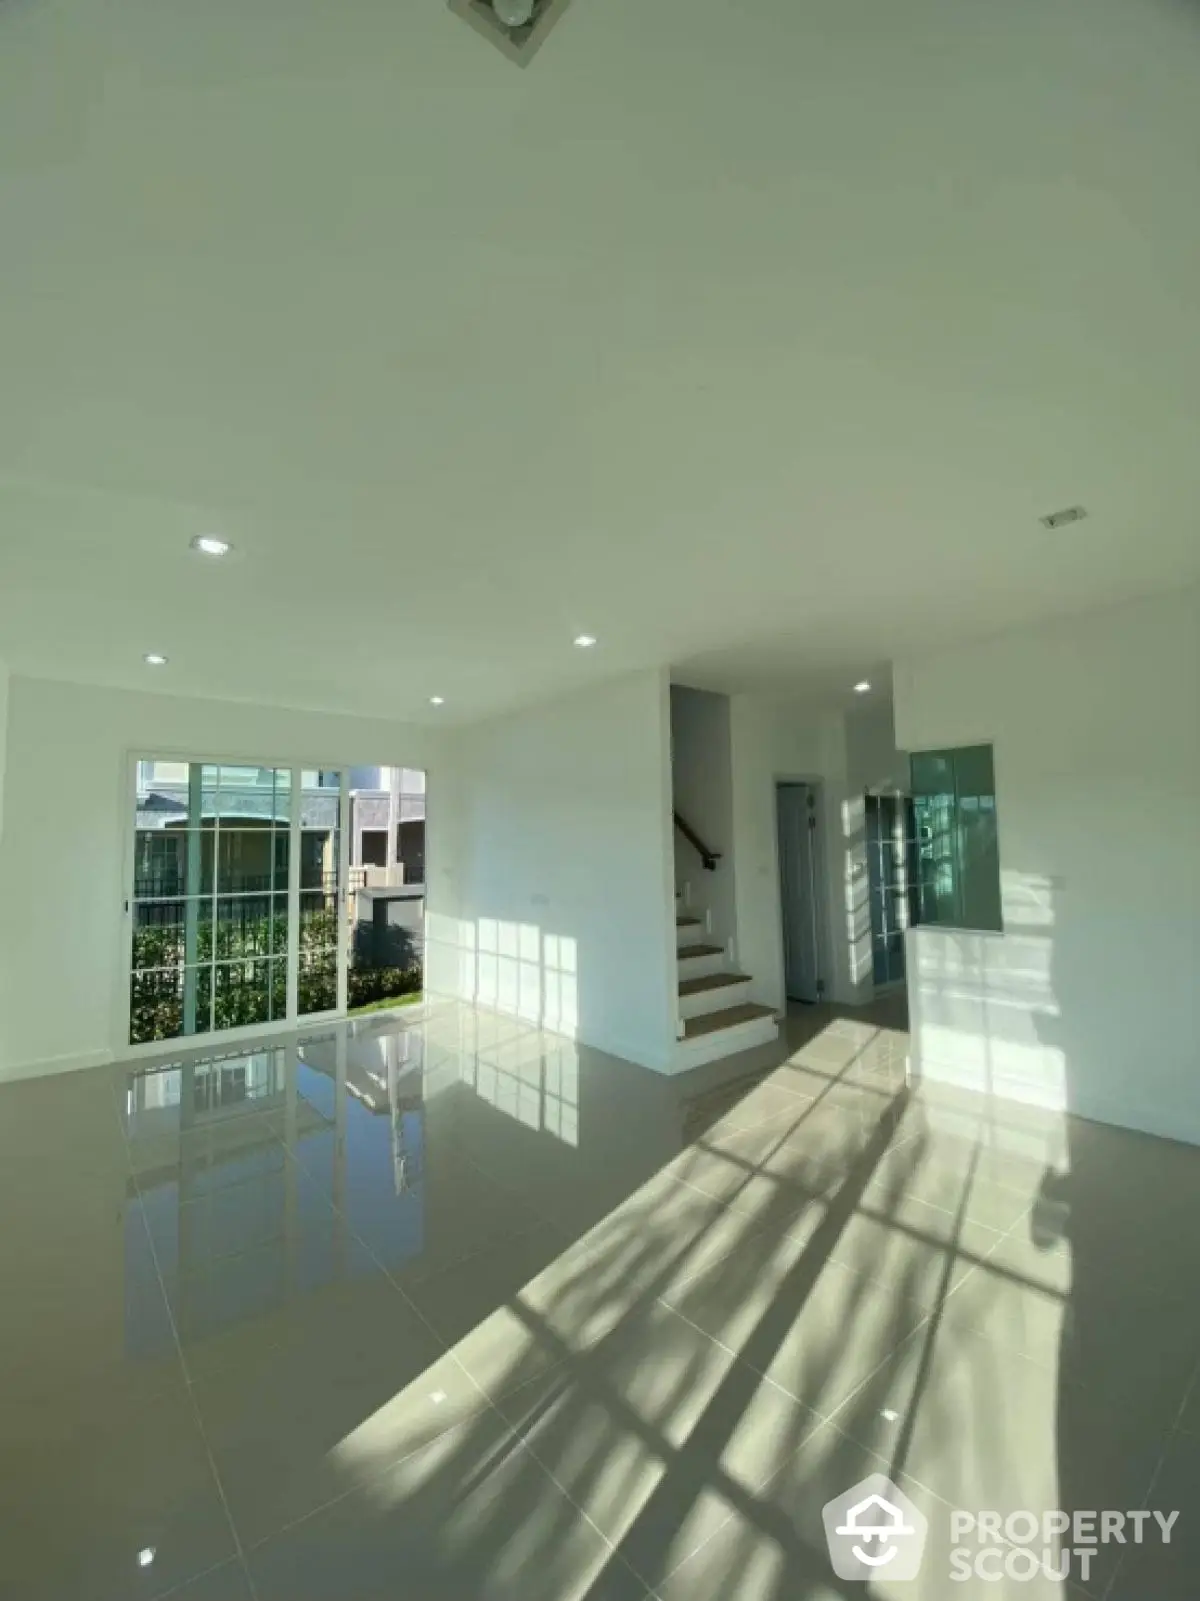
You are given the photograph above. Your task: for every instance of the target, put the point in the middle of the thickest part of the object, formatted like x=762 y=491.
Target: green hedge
x=251 y=988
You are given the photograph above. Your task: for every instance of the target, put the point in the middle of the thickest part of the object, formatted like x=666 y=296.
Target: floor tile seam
x=1021 y=1190
x=511 y=1435
x=1172 y=1434
x=444 y=1351
x=162 y=1287
x=1046 y=1364
x=820 y=1200
x=651 y=1594
x=364 y=1482
x=225 y=1257
x=204 y=1573
x=439 y=1341
x=220 y=1484
x=534 y=1222
x=206 y=1131
x=568 y=1355
x=822 y=1417
x=362 y=1244
x=375 y=1474
x=195 y=1408
x=819 y=1420
x=829 y=1419
x=474 y=1254
x=234 y=1188
x=610 y=1545
x=927 y=1489
x=768 y=1081
x=923 y=1325
x=754 y=1233
x=949 y=1211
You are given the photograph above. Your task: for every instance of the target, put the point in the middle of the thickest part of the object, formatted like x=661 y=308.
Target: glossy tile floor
x=445 y=1308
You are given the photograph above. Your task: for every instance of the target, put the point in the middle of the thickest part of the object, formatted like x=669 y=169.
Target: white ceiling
x=752 y=337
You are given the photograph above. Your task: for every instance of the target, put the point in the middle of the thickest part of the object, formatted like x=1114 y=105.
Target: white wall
x=702 y=791
x=4 y=682
x=558 y=906
x=67 y=823
x=1089 y=999
x=872 y=759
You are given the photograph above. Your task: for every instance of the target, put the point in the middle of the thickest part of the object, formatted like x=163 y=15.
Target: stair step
x=695 y=1027
x=687 y=952
x=688 y=922
x=711 y=981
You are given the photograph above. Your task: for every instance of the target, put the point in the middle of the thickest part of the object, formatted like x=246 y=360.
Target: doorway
x=798 y=820
x=894 y=881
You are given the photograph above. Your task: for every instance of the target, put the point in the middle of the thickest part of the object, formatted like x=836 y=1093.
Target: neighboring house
x=387 y=829
x=387 y=824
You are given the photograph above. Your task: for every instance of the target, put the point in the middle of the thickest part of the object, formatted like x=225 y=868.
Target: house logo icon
x=874 y=1529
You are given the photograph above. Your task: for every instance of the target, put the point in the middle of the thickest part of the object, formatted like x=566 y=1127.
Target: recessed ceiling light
x=862 y=687
x=153 y=659
x=437 y=700
x=585 y=641
x=145 y=1556
x=211 y=545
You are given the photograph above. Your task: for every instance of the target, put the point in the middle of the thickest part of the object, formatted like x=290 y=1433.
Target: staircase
x=716 y=1015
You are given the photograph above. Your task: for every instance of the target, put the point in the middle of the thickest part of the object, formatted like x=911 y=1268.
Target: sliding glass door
x=238 y=905
x=323 y=941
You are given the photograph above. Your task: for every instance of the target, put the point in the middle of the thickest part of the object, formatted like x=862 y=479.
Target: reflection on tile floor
x=445 y=1307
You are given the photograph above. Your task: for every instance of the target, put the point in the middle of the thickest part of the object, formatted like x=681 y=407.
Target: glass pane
x=935 y=818
x=253 y=793
x=277 y=981
x=318 y=921
x=248 y=860
x=242 y=994
x=318 y=981
x=175 y=794
x=979 y=847
x=250 y=926
x=932 y=773
x=155 y=1006
x=321 y=778
x=169 y=1003
x=159 y=934
x=171 y=933
x=167 y=860
x=958 y=857
x=319 y=859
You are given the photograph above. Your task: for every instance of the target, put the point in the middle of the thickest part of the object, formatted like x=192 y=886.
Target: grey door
x=797 y=812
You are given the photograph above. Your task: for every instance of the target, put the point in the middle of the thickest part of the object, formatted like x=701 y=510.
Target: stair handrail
x=707 y=857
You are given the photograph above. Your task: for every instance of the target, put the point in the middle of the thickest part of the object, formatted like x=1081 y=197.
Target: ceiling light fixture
x=518 y=28
x=153 y=658
x=437 y=700
x=145 y=1556
x=585 y=641
x=211 y=545
x=514 y=13
x=862 y=687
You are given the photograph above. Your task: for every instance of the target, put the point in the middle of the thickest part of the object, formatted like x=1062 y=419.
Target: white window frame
x=292 y=1024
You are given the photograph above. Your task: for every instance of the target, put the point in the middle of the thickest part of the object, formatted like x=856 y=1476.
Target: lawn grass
x=387 y=1004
